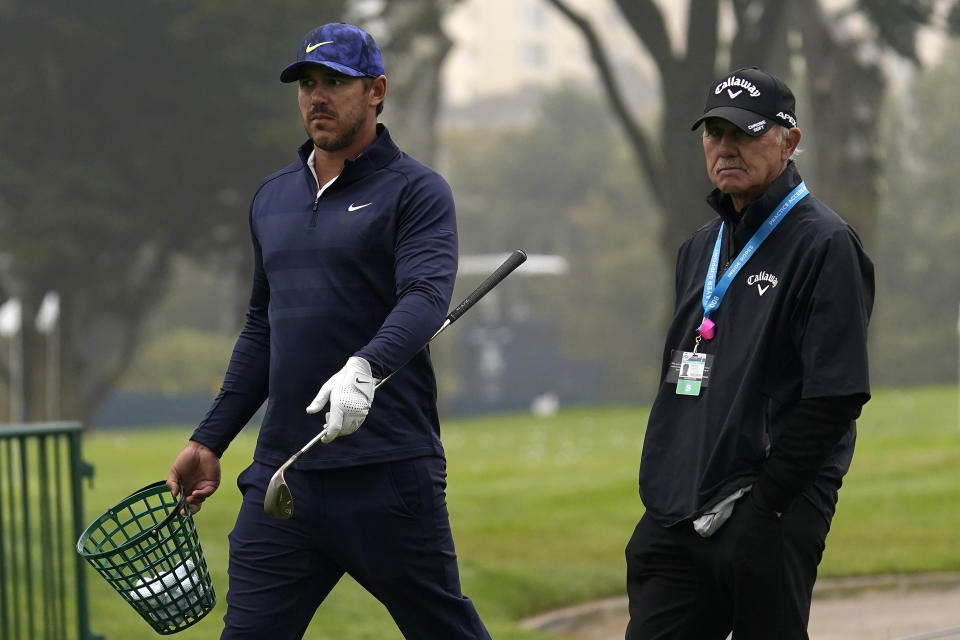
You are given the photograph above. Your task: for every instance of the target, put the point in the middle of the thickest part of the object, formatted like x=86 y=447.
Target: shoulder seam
x=291 y=168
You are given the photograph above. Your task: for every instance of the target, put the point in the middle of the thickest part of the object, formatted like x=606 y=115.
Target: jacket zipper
x=316 y=202
x=316 y=205
x=730 y=248
x=767 y=427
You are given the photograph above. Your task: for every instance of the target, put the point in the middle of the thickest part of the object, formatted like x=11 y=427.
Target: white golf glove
x=350 y=392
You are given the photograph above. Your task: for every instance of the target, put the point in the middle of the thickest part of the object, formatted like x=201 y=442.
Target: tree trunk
x=843 y=173
x=846 y=163
x=414 y=50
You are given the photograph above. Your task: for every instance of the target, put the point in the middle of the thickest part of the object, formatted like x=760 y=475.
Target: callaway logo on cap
x=342 y=47
x=752 y=99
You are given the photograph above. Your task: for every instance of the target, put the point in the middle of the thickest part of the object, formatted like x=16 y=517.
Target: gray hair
x=782 y=132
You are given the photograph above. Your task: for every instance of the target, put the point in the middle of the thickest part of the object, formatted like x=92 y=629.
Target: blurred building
x=505 y=51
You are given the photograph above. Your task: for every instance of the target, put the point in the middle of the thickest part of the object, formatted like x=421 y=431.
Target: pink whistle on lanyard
x=706 y=329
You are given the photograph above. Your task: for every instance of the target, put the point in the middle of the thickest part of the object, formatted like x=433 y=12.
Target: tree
x=415 y=47
x=844 y=84
x=522 y=187
x=918 y=274
x=135 y=132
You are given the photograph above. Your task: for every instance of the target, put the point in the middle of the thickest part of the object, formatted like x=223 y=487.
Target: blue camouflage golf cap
x=338 y=46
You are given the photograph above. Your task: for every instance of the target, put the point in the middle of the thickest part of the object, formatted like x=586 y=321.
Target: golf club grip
x=515 y=259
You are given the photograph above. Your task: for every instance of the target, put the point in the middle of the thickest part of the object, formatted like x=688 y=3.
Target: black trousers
x=753 y=577
x=384 y=524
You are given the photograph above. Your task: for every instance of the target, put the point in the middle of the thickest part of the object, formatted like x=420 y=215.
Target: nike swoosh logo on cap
x=311 y=47
x=354 y=207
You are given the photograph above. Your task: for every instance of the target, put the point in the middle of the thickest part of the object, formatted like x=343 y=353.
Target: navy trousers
x=386 y=525
x=754 y=576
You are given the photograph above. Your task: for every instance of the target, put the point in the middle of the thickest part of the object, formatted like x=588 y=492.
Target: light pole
x=48 y=325
x=11 y=313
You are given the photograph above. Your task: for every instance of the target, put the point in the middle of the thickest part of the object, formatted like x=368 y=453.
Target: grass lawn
x=542 y=507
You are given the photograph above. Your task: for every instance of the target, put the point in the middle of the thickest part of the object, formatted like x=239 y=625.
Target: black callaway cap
x=752 y=99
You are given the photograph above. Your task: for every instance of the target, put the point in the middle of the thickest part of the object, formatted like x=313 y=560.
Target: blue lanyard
x=713 y=291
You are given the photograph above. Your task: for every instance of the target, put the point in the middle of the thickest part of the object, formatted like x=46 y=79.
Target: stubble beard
x=341 y=140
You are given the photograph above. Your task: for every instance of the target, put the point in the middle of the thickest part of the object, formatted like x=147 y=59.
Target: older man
x=764 y=373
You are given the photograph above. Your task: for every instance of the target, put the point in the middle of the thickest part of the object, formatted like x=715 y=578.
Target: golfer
x=742 y=461
x=355 y=255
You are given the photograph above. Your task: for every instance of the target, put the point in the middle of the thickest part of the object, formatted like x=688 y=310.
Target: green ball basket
x=150 y=554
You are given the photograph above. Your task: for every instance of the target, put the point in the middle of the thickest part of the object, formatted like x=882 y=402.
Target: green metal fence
x=43 y=591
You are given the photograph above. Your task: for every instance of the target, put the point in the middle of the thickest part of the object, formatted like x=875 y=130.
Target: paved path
x=921 y=607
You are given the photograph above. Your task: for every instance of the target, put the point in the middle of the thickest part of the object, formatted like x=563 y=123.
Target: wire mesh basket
x=150 y=554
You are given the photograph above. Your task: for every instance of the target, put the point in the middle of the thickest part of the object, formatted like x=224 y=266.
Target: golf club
x=278 y=501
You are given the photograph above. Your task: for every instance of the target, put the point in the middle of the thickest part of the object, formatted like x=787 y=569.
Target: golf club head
x=278 y=501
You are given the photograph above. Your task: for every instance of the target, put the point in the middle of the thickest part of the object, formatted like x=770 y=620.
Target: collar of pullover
x=380 y=152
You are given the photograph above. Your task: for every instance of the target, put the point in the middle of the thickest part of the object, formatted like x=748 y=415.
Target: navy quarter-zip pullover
x=366 y=269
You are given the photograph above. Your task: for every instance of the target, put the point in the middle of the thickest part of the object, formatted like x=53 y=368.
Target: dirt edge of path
x=567 y=619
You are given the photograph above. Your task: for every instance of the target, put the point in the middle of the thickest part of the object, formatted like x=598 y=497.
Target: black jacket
x=788 y=373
